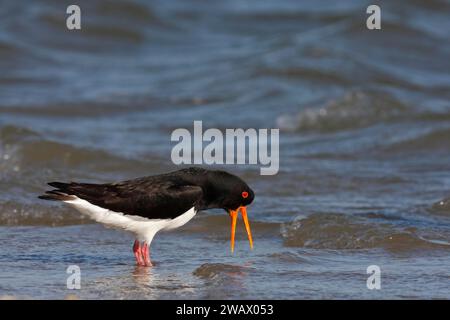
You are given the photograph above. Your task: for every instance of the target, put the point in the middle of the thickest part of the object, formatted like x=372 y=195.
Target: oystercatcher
x=147 y=205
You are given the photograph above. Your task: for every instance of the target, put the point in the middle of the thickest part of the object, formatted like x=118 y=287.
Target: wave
x=356 y=109
x=436 y=140
x=345 y=232
x=219 y=270
x=26 y=149
x=8 y=49
x=28 y=161
x=130 y=10
x=441 y=207
x=219 y=225
x=20 y=214
x=111 y=20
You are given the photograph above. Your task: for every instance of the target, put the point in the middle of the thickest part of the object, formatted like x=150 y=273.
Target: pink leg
x=145 y=249
x=138 y=253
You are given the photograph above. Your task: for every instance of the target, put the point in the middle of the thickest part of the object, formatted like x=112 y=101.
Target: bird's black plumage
x=161 y=196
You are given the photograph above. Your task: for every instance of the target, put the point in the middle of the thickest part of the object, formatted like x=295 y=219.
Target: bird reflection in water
x=143 y=276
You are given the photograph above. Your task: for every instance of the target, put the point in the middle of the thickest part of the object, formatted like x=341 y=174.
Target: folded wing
x=148 y=199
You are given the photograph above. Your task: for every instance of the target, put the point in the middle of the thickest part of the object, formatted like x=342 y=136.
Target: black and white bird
x=144 y=206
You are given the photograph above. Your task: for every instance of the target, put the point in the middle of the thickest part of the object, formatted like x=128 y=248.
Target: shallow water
x=364 y=120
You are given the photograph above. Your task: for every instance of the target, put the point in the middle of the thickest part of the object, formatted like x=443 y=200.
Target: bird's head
x=233 y=195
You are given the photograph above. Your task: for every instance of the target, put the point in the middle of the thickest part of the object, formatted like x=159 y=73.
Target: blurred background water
x=364 y=120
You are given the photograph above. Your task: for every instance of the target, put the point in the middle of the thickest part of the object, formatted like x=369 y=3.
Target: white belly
x=144 y=229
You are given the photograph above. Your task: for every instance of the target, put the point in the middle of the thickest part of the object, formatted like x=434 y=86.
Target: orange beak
x=233 y=215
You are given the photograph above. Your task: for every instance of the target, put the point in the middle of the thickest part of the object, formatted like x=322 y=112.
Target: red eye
x=244 y=194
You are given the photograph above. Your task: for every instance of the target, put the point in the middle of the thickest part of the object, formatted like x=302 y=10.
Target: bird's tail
x=58 y=194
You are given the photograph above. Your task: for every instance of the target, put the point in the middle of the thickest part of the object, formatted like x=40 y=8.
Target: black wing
x=145 y=197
